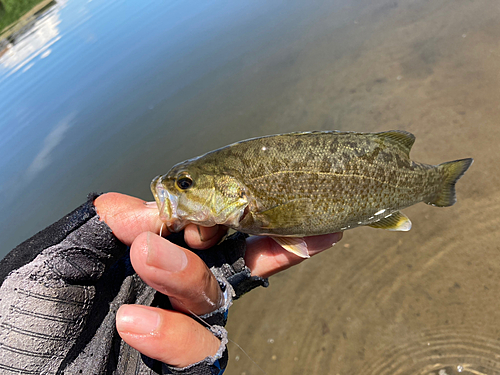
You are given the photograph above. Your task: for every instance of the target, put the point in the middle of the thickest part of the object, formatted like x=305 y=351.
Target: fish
x=293 y=185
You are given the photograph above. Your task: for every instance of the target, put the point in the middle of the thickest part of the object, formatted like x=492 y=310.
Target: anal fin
x=295 y=245
x=397 y=221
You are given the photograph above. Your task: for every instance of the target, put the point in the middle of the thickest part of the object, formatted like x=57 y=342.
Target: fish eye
x=184 y=182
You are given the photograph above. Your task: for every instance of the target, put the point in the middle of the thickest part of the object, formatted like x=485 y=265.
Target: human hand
x=173 y=337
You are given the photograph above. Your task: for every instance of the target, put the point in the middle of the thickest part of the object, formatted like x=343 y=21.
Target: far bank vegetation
x=12 y=10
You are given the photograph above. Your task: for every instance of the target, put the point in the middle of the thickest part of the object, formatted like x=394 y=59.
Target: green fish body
x=302 y=184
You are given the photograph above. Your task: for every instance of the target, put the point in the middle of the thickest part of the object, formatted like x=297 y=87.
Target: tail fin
x=452 y=170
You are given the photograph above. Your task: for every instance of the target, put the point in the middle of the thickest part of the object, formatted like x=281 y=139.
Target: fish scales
x=308 y=183
x=330 y=171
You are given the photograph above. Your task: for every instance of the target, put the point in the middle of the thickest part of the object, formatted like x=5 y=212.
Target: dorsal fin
x=400 y=138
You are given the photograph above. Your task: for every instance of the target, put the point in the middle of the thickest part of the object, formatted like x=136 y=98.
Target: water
x=110 y=94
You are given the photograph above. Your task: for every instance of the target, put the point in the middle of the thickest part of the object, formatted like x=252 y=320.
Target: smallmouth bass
x=301 y=184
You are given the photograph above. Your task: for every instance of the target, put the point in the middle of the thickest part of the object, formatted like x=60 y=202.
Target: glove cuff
x=213 y=365
x=227 y=260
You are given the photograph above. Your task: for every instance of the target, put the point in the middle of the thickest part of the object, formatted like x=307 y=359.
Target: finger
x=168 y=336
x=265 y=257
x=199 y=237
x=127 y=216
x=177 y=273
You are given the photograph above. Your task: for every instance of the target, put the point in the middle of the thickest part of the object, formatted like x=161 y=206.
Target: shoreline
x=22 y=21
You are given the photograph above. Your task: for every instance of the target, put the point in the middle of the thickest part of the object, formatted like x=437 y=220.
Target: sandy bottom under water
x=422 y=302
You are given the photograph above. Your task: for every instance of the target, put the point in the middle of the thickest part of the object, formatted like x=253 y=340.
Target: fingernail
x=164 y=255
x=136 y=319
x=207 y=233
x=151 y=205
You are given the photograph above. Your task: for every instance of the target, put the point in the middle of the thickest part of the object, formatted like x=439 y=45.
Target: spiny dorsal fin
x=397 y=221
x=400 y=138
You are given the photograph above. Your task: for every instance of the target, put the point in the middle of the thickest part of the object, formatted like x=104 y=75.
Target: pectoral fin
x=294 y=245
x=289 y=214
x=397 y=221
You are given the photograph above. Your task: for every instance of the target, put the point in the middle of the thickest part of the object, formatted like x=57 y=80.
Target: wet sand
x=422 y=302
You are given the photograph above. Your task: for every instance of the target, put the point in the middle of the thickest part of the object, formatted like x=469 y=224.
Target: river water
x=105 y=95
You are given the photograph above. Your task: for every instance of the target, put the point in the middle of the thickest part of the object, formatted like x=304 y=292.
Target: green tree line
x=12 y=10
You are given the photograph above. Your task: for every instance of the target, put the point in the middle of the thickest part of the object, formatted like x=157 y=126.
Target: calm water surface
x=105 y=95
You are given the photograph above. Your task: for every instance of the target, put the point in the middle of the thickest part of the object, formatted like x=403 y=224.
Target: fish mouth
x=167 y=205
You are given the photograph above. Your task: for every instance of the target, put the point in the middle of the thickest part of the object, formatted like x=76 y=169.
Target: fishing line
x=250 y=358
x=228 y=339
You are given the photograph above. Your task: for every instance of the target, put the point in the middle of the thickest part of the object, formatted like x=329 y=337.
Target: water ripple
x=439 y=351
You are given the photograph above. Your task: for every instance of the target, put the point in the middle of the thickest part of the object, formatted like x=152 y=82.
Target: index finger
x=129 y=216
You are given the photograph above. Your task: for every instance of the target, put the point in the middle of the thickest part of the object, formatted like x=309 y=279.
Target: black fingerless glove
x=61 y=289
